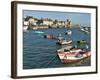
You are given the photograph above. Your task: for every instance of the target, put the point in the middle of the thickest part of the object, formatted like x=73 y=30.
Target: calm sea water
x=39 y=52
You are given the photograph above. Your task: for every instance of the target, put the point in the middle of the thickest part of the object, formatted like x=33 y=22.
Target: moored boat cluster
x=70 y=52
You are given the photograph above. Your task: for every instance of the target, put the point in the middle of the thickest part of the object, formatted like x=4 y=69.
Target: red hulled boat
x=73 y=55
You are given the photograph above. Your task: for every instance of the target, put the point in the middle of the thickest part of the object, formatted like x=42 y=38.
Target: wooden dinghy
x=73 y=55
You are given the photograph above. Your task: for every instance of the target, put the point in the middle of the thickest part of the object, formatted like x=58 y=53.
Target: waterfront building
x=47 y=21
x=33 y=21
x=61 y=23
x=68 y=23
x=26 y=23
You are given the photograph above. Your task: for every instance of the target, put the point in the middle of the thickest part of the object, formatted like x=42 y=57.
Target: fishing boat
x=82 y=29
x=82 y=42
x=50 y=36
x=73 y=55
x=69 y=32
x=64 y=42
x=85 y=30
x=59 y=37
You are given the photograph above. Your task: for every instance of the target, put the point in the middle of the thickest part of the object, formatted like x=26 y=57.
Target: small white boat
x=85 y=30
x=64 y=42
x=69 y=32
x=82 y=29
x=60 y=37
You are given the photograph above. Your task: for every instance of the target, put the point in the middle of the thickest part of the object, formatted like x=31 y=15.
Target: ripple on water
x=38 y=52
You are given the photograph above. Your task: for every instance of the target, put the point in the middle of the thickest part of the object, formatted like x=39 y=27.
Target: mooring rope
x=50 y=61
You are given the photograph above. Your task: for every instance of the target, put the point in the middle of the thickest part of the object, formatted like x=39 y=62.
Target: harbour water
x=39 y=52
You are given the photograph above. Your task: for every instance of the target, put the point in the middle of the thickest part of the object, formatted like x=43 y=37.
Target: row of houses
x=46 y=22
x=43 y=21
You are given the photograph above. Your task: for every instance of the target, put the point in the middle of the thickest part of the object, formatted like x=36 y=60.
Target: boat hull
x=72 y=61
x=67 y=57
x=64 y=42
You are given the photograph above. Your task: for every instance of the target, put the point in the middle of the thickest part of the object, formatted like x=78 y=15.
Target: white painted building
x=33 y=21
x=47 y=22
x=26 y=23
x=61 y=23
